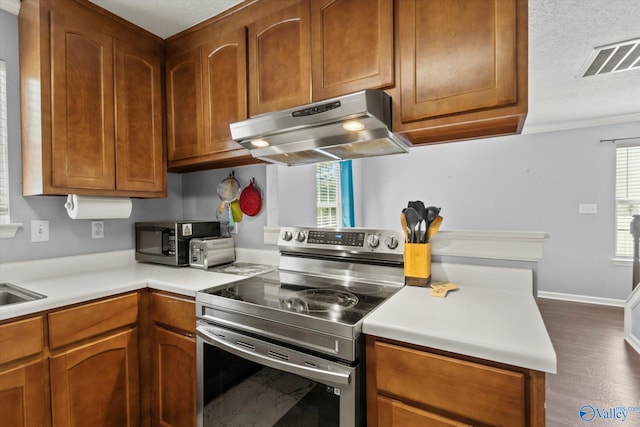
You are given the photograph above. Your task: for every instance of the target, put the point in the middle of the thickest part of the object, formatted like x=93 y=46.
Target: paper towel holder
x=95 y=207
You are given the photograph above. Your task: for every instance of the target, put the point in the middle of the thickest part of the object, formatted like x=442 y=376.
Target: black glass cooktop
x=325 y=298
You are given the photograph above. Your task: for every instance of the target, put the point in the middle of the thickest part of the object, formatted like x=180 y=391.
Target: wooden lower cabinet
x=127 y=360
x=174 y=378
x=416 y=386
x=23 y=395
x=173 y=361
x=96 y=384
x=23 y=374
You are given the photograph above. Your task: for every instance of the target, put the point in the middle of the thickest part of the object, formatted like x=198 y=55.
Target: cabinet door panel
x=82 y=100
x=226 y=87
x=97 y=384
x=184 y=104
x=174 y=379
x=352 y=46
x=22 y=396
x=139 y=141
x=456 y=56
x=279 y=61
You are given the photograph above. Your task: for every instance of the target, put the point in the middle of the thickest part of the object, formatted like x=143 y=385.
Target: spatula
x=403 y=222
x=434 y=227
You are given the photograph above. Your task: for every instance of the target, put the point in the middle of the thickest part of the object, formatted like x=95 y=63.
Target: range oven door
x=242 y=380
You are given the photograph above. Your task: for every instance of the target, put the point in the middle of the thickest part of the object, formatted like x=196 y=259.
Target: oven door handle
x=343 y=378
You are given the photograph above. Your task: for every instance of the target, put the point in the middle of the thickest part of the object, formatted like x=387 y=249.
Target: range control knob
x=286 y=236
x=373 y=241
x=299 y=236
x=391 y=242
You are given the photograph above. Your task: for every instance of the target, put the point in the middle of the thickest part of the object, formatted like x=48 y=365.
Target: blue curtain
x=346 y=192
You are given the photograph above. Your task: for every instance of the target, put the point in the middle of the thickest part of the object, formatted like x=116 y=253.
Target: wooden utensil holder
x=417 y=264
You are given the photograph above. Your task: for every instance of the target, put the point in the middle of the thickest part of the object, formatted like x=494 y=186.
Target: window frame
x=5 y=206
x=627 y=196
x=322 y=203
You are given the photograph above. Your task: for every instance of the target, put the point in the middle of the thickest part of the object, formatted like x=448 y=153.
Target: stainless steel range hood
x=348 y=127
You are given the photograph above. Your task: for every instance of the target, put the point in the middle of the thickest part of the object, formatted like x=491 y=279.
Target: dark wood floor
x=595 y=365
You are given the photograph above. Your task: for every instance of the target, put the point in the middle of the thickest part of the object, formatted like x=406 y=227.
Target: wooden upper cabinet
x=139 y=140
x=90 y=101
x=351 y=46
x=279 y=60
x=184 y=104
x=82 y=105
x=226 y=89
x=206 y=91
x=456 y=56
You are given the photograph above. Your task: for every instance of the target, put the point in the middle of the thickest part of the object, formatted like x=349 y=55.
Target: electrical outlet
x=234 y=229
x=97 y=229
x=40 y=231
x=588 y=208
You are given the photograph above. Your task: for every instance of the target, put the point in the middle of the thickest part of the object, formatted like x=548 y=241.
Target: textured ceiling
x=562 y=35
x=166 y=17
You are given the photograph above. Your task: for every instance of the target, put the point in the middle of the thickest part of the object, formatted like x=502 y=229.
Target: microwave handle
x=306 y=371
x=166 y=233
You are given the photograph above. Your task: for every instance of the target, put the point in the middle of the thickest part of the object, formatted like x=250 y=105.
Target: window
x=627 y=196
x=328 y=194
x=4 y=152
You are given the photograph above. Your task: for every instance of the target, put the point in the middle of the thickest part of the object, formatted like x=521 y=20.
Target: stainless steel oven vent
x=348 y=127
x=613 y=58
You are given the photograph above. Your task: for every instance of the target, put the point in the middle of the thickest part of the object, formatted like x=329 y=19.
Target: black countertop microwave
x=168 y=242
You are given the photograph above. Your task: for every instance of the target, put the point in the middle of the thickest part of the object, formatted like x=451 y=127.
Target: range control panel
x=330 y=237
x=354 y=240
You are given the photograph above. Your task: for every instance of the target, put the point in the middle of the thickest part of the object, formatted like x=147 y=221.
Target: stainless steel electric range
x=284 y=348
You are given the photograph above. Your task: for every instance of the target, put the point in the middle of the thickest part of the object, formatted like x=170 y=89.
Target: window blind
x=4 y=152
x=328 y=194
x=627 y=196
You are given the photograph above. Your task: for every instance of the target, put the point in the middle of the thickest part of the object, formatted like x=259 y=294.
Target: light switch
x=40 y=231
x=588 y=208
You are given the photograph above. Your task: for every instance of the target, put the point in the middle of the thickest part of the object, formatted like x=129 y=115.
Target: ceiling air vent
x=622 y=56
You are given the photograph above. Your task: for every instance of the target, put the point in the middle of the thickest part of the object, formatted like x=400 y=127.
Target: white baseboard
x=582 y=298
x=633 y=342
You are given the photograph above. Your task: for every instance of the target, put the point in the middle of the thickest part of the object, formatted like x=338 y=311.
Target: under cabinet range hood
x=348 y=127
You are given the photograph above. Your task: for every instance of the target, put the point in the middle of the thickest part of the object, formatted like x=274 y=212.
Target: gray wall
x=517 y=183
x=525 y=183
x=200 y=200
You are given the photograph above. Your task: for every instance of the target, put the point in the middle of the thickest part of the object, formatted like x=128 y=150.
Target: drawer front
x=477 y=392
x=21 y=339
x=174 y=311
x=394 y=413
x=78 y=323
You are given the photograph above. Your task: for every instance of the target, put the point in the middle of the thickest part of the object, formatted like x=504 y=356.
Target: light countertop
x=80 y=287
x=492 y=316
x=495 y=325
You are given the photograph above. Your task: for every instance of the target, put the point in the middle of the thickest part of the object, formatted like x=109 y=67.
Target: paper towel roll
x=90 y=207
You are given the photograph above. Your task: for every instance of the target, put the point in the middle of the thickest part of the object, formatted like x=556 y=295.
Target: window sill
x=8 y=231
x=624 y=262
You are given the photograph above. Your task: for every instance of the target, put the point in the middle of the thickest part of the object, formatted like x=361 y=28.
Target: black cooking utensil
x=411 y=216
x=432 y=214
x=422 y=213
